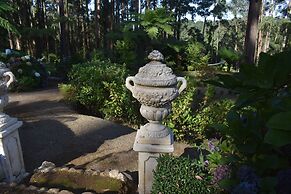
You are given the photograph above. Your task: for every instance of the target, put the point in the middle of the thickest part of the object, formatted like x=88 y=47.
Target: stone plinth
x=12 y=165
x=147 y=160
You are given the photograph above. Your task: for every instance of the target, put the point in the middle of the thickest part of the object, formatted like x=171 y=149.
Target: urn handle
x=10 y=76
x=183 y=85
x=129 y=83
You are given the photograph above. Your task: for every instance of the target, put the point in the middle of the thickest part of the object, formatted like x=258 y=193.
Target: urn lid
x=155 y=73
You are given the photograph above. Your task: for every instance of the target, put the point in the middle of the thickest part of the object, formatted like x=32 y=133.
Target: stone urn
x=155 y=87
x=6 y=78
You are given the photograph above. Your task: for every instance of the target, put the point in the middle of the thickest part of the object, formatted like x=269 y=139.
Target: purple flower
x=211 y=145
x=245 y=188
x=247 y=174
x=220 y=173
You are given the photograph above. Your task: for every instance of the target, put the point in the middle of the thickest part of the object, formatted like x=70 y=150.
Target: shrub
x=197 y=58
x=180 y=175
x=125 y=52
x=30 y=73
x=257 y=130
x=99 y=87
x=192 y=123
x=231 y=57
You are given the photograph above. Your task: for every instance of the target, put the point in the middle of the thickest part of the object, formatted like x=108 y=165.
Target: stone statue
x=6 y=78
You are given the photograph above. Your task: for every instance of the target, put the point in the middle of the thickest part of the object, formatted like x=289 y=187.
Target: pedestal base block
x=147 y=161
x=11 y=159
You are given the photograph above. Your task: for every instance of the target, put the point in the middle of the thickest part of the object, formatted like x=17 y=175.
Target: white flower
x=23 y=58
x=27 y=57
x=8 y=51
x=28 y=63
x=19 y=71
x=48 y=72
x=36 y=74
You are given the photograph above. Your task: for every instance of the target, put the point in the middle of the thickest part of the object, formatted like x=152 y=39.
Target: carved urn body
x=155 y=87
x=6 y=78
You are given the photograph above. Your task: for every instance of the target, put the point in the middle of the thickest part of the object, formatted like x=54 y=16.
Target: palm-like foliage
x=157 y=22
x=4 y=23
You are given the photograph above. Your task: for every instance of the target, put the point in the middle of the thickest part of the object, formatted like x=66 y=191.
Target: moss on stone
x=77 y=181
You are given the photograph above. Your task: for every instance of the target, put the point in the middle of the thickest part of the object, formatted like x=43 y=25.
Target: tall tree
x=252 y=30
x=97 y=22
x=64 y=31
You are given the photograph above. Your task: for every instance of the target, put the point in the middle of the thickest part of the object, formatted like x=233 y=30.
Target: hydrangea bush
x=30 y=73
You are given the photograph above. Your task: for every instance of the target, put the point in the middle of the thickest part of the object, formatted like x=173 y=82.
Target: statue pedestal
x=147 y=160
x=11 y=159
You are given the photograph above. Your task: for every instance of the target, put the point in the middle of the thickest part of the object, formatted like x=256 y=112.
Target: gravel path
x=52 y=131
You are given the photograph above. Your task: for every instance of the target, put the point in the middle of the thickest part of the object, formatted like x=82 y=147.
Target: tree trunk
x=236 y=32
x=97 y=20
x=148 y=4
x=40 y=26
x=64 y=32
x=106 y=26
x=204 y=26
x=252 y=30
x=123 y=10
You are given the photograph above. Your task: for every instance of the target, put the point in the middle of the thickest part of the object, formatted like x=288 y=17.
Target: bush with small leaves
x=99 y=87
x=180 y=175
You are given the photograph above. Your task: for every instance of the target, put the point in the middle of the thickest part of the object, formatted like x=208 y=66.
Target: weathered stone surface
x=43 y=189
x=65 y=192
x=53 y=190
x=22 y=186
x=12 y=165
x=31 y=187
x=64 y=169
x=46 y=167
x=155 y=87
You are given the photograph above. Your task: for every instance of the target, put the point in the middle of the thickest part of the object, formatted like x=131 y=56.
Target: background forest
x=125 y=31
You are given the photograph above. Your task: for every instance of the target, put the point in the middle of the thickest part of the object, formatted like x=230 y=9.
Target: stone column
x=11 y=159
x=155 y=87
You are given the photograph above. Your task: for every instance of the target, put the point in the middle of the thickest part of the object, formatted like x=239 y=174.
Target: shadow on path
x=53 y=132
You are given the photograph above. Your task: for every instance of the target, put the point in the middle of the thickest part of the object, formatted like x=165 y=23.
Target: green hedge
x=99 y=87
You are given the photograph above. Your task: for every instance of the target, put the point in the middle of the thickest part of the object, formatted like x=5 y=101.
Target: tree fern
x=4 y=23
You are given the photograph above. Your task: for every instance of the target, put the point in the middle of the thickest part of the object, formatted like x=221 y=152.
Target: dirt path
x=54 y=132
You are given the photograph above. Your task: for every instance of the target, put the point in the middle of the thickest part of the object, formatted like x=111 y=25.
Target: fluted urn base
x=154 y=133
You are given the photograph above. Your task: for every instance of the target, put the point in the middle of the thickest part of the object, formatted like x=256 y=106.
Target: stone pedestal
x=155 y=87
x=147 y=160
x=11 y=162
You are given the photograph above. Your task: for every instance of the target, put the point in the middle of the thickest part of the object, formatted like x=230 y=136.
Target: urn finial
x=155 y=55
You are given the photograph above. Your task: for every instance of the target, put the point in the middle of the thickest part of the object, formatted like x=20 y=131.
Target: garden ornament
x=12 y=164
x=155 y=87
x=6 y=78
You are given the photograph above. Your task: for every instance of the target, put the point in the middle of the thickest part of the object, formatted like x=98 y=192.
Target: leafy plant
x=231 y=57
x=99 y=87
x=180 y=175
x=258 y=126
x=192 y=123
x=156 y=22
x=4 y=23
x=125 y=52
x=196 y=57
